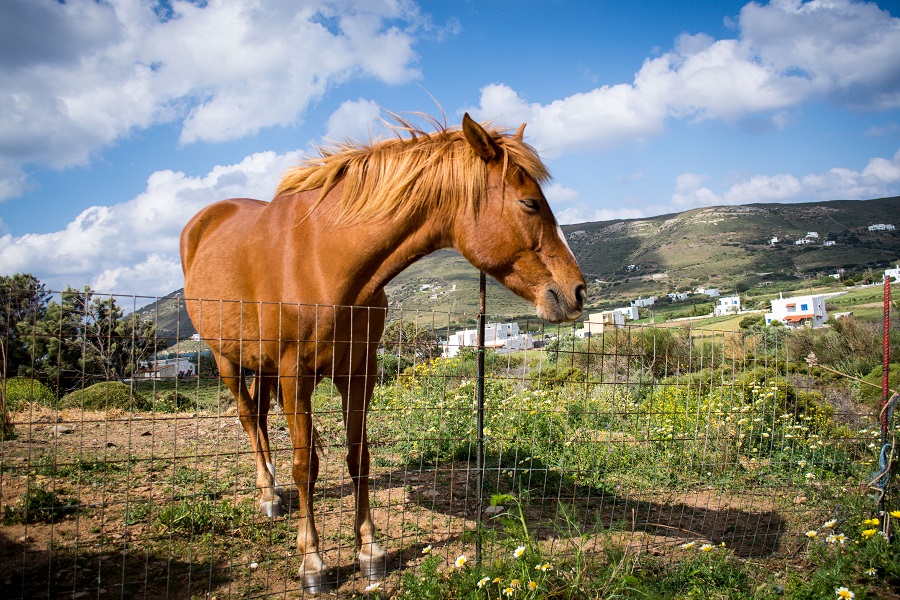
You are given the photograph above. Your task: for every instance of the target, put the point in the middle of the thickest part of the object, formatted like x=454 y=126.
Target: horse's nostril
x=580 y=294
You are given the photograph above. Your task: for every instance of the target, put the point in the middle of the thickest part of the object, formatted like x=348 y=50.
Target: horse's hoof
x=373 y=562
x=272 y=508
x=317 y=583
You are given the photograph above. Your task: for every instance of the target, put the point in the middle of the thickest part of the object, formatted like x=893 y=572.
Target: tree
x=83 y=339
x=22 y=299
x=408 y=338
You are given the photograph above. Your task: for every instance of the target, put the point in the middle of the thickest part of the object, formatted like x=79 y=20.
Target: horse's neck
x=398 y=245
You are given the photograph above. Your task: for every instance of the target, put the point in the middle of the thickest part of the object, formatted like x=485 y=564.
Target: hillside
x=723 y=246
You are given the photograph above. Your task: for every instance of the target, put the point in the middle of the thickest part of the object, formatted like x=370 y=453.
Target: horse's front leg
x=356 y=391
x=297 y=399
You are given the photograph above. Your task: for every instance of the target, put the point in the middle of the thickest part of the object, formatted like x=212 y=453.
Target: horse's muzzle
x=558 y=307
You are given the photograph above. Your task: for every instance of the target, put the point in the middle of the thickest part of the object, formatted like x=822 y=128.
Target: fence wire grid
x=126 y=474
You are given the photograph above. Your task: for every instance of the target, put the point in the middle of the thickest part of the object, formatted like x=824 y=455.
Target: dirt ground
x=112 y=474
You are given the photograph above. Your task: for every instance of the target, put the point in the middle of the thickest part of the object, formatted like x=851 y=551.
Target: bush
x=172 y=401
x=20 y=390
x=104 y=396
x=551 y=377
x=752 y=321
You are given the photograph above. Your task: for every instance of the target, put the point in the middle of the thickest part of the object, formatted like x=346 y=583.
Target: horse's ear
x=480 y=140
x=520 y=133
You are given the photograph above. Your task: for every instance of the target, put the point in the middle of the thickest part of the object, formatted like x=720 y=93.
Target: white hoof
x=372 y=561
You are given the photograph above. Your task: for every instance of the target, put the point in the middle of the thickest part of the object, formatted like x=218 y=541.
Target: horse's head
x=513 y=235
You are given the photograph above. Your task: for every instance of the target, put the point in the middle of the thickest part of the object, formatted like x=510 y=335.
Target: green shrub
x=20 y=390
x=172 y=401
x=104 y=396
x=39 y=505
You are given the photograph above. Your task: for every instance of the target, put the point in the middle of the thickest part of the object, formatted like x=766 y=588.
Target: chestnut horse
x=293 y=289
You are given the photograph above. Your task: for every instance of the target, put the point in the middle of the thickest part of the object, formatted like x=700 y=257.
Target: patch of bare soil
x=161 y=506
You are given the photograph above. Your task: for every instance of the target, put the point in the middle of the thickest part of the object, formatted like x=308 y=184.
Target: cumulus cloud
x=81 y=74
x=786 y=52
x=134 y=245
x=879 y=178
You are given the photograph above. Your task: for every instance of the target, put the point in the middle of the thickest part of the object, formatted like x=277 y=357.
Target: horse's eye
x=530 y=204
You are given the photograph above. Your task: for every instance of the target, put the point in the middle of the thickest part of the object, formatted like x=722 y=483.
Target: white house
x=881 y=227
x=802 y=242
x=711 y=292
x=799 y=311
x=812 y=235
x=630 y=312
x=643 y=302
x=165 y=368
x=829 y=243
x=496 y=335
x=728 y=305
x=774 y=240
x=677 y=296
x=596 y=323
x=895 y=273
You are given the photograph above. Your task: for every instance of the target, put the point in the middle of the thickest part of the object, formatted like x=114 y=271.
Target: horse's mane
x=399 y=176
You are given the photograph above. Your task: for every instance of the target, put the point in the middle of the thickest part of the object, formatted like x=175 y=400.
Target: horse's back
x=213 y=225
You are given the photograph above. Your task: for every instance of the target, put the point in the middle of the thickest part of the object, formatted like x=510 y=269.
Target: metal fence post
x=479 y=393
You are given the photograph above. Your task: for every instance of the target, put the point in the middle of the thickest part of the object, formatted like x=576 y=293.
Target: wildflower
x=518 y=552
x=811 y=534
x=867 y=533
x=802 y=464
x=829 y=524
x=508 y=591
x=871 y=522
x=496 y=580
x=373 y=587
x=871 y=572
x=688 y=545
x=810 y=476
x=426 y=549
x=843 y=592
x=483 y=582
x=461 y=561
x=836 y=538
x=514 y=583
x=895 y=514
x=543 y=567
x=706 y=548
x=532 y=585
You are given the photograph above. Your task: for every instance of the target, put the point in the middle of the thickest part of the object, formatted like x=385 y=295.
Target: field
x=609 y=464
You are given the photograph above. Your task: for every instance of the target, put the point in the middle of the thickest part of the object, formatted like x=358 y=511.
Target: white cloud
x=585 y=214
x=786 y=52
x=879 y=178
x=358 y=121
x=133 y=246
x=79 y=75
x=557 y=193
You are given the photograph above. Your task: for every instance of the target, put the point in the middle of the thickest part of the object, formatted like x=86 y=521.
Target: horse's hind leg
x=252 y=412
x=272 y=500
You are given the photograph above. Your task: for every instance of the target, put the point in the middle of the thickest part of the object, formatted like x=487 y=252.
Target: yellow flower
x=811 y=534
x=829 y=524
x=426 y=549
x=483 y=582
x=843 y=592
x=514 y=583
x=871 y=522
x=373 y=587
x=869 y=533
x=518 y=552
x=895 y=514
x=496 y=580
x=461 y=561
x=706 y=547
x=688 y=545
x=532 y=585
x=508 y=591
x=543 y=567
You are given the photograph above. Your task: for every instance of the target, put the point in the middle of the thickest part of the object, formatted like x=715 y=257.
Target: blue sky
x=122 y=118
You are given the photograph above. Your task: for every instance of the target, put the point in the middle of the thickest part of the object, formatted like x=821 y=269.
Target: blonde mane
x=398 y=177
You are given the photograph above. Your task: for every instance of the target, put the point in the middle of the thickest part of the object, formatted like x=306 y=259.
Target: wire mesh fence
x=126 y=473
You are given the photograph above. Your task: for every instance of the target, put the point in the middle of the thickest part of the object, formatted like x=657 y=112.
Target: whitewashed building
x=597 y=323
x=643 y=302
x=895 y=273
x=496 y=335
x=799 y=311
x=728 y=305
x=165 y=368
x=711 y=292
x=881 y=227
x=630 y=312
